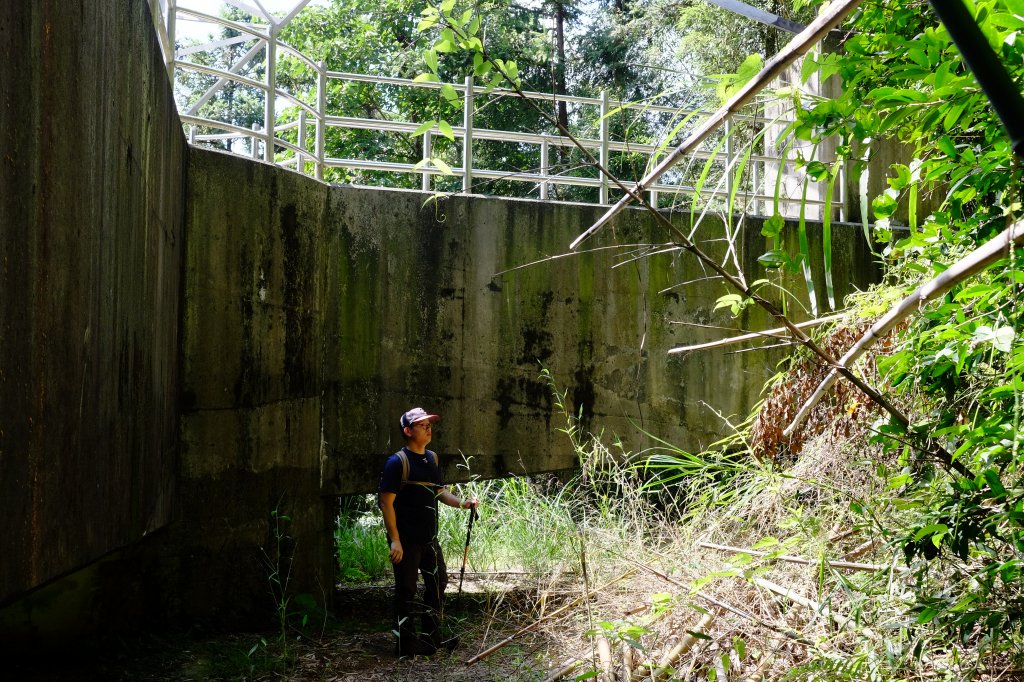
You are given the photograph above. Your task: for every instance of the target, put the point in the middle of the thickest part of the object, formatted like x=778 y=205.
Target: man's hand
x=396 y=551
x=470 y=503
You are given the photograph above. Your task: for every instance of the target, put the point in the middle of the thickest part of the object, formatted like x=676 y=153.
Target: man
x=410 y=488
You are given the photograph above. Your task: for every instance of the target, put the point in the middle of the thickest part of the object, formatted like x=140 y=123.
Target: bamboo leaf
x=805 y=252
x=826 y=233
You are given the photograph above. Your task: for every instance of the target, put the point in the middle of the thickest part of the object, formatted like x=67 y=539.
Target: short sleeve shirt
x=416 y=501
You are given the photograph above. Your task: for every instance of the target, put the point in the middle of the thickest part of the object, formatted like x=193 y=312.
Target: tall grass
x=613 y=503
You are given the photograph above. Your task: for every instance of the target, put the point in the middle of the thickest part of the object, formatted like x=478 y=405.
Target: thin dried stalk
x=757 y=674
x=627 y=663
x=848 y=565
x=563 y=670
x=533 y=626
x=777 y=333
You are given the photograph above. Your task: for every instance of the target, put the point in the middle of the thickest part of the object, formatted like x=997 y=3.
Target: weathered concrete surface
x=400 y=304
x=424 y=318
x=252 y=374
x=91 y=216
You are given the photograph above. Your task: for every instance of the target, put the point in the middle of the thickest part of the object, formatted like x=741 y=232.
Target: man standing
x=410 y=488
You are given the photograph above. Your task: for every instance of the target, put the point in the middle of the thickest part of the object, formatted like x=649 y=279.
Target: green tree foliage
x=958 y=367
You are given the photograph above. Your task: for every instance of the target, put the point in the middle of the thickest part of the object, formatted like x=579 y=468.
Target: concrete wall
x=91 y=217
x=317 y=315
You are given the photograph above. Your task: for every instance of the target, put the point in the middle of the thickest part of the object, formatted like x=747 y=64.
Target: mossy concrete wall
x=92 y=161
x=316 y=315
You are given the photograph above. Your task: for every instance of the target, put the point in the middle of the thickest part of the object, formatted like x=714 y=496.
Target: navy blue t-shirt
x=415 y=504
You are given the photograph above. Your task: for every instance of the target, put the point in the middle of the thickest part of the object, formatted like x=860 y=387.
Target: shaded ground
x=358 y=645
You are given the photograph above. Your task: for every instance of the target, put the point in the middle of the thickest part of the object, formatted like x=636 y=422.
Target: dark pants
x=425 y=559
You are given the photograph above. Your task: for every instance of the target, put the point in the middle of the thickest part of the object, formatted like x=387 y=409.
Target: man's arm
x=448 y=498
x=387 y=508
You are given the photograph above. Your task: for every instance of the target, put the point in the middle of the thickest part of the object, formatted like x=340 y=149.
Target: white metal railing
x=266 y=144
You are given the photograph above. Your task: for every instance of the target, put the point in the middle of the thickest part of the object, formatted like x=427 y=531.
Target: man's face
x=420 y=433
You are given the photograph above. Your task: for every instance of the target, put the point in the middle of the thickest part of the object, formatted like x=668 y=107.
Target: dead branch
x=862 y=549
x=975 y=262
x=777 y=333
x=533 y=626
x=788 y=632
x=850 y=566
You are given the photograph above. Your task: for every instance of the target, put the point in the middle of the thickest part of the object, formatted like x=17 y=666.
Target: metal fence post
x=321 y=110
x=605 y=155
x=728 y=157
x=755 y=171
x=172 y=22
x=426 y=177
x=270 y=105
x=467 y=140
x=255 y=151
x=300 y=161
x=544 y=168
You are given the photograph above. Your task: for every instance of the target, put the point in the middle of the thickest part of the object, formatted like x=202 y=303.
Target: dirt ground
x=355 y=645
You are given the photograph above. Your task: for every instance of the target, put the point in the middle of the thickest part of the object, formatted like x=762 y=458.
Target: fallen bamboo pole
x=562 y=671
x=840 y=620
x=848 y=565
x=532 y=626
x=604 y=655
x=668 y=661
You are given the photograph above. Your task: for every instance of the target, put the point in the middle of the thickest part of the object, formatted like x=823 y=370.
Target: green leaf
x=426 y=24
x=765 y=542
x=423 y=127
x=442 y=166
x=992 y=478
x=935 y=529
x=775 y=258
x=773 y=226
x=430 y=59
x=447 y=6
x=445 y=129
x=450 y=94
x=884 y=205
x=739 y=647
x=425 y=78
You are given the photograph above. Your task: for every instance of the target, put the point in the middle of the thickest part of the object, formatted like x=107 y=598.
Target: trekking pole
x=465 y=553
